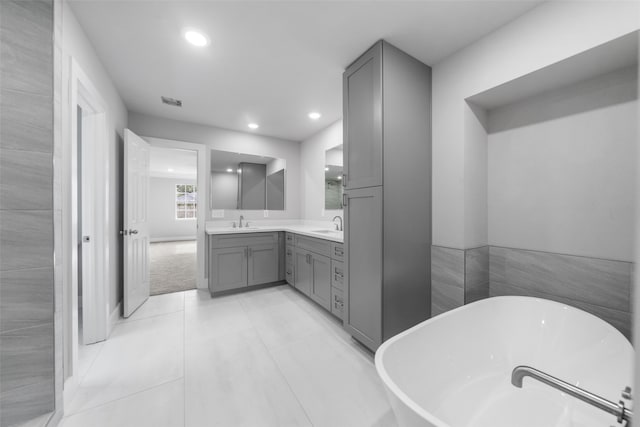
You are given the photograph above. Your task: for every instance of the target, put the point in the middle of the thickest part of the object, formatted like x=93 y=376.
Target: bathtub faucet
x=618 y=409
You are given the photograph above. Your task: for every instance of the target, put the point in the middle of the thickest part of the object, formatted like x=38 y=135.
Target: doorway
x=173 y=219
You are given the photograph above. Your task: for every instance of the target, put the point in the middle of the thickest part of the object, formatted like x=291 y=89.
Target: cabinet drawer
x=236 y=240
x=337 y=274
x=289 y=275
x=337 y=302
x=288 y=254
x=289 y=238
x=337 y=251
x=319 y=246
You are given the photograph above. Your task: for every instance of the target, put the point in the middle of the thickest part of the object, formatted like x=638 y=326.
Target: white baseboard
x=113 y=318
x=171 y=239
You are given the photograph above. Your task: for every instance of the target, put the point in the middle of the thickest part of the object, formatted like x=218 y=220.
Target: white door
x=86 y=186
x=136 y=230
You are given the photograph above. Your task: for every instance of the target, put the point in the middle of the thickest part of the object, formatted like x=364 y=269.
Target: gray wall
x=27 y=368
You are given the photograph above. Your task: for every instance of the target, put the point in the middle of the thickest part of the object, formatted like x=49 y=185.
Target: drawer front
x=289 y=238
x=319 y=246
x=337 y=251
x=289 y=274
x=337 y=274
x=236 y=240
x=337 y=302
x=288 y=254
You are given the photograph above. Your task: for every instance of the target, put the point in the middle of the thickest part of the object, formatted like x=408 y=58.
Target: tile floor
x=269 y=357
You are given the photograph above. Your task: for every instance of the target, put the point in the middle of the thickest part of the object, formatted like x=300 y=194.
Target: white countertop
x=307 y=230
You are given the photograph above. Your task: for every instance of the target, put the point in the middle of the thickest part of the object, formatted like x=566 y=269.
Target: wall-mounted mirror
x=333 y=178
x=246 y=181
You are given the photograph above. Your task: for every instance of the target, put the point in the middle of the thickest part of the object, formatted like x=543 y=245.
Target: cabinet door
x=227 y=269
x=302 y=271
x=363 y=265
x=321 y=283
x=362 y=97
x=263 y=263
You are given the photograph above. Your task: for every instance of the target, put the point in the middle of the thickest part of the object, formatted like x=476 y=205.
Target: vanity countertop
x=307 y=230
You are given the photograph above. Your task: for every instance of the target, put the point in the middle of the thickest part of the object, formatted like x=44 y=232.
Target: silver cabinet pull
x=344 y=199
x=344 y=179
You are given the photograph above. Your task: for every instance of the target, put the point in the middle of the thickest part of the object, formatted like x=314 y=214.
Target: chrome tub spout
x=618 y=409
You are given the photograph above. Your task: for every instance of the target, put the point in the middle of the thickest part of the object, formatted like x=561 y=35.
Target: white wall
x=76 y=45
x=312 y=159
x=163 y=225
x=565 y=184
x=223 y=139
x=549 y=33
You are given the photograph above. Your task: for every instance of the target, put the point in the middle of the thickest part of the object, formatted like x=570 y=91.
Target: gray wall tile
x=26 y=298
x=26 y=239
x=25 y=180
x=621 y=320
x=445 y=298
x=476 y=285
x=26 y=356
x=447 y=279
x=26 y=121
x=593 y=281
x=26 y=403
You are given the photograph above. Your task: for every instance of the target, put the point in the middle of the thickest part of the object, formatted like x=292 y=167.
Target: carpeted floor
x=173 y=266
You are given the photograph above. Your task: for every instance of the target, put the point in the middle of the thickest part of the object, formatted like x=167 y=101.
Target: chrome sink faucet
x=338 y=226
x=240 y=221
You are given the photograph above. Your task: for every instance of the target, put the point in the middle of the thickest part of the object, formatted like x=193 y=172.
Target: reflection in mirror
x=246 y=181
x=333 y=178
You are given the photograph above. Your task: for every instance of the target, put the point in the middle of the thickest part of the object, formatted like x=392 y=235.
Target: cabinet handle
x=344 y=179
x=344 y=199
x=308 y=258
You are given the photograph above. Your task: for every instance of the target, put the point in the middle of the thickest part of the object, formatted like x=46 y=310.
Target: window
x=186 y=201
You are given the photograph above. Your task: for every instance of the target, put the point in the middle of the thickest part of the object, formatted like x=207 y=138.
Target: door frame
x=95 y=302
x=203 y=172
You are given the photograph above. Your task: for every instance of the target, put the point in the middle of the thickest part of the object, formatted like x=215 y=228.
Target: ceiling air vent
x=171 y=101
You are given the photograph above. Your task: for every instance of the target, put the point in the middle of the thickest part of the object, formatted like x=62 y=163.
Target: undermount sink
x=327 y=231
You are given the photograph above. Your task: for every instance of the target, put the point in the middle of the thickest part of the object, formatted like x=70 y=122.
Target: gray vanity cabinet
x=302 y=271
x=387 y=127
x=228 y=269
x=262 y=265
x=363 y=266
x=241 y=260
x=363 y=108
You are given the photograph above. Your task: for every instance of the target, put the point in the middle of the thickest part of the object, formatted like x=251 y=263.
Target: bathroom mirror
x=333 y=178
x=246 y=181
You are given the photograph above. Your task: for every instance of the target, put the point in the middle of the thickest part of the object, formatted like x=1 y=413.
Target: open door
x=136 y=230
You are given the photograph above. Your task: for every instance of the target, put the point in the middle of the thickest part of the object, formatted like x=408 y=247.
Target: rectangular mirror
x=246 y=181
x=333 y=178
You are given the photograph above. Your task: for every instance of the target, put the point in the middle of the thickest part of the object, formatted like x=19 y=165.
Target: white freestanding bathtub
x=454 y=370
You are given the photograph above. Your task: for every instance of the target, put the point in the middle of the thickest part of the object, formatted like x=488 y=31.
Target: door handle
x=133 y=231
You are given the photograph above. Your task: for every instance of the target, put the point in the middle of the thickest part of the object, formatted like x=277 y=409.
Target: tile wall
x=601 y=287
x=27 y=368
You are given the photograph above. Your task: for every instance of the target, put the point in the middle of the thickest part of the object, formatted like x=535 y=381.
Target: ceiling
x=173 y=163
x=269 y=62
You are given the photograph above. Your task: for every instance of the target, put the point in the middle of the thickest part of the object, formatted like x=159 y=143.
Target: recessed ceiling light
x=314 y=115
x=169 y=170
x=229 y=170
x=253 y=126
x=196 y=38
